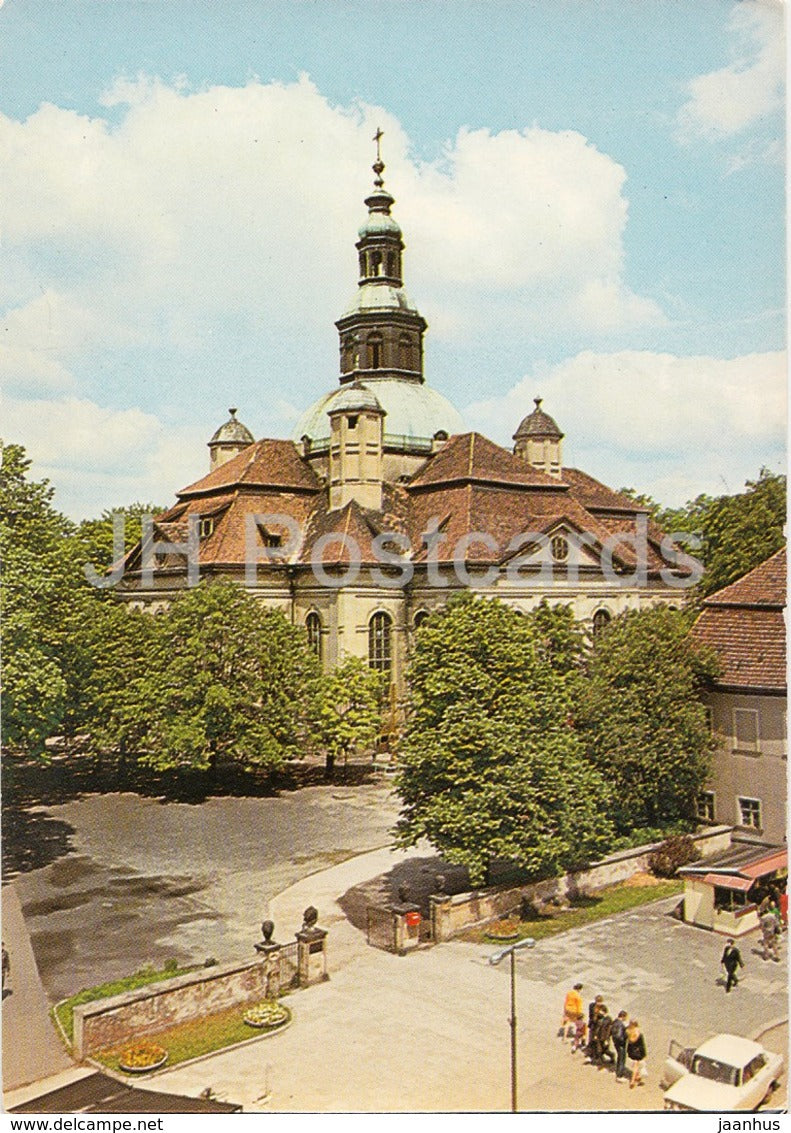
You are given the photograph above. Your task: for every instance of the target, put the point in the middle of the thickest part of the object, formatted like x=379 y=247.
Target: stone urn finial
x=439 y=882
x=403 y=894
x=267 y=928
x=309 y=917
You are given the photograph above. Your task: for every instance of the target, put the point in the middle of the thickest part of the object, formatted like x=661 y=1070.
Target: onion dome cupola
x=228 y=441
x=381 y=333
x=539 y=441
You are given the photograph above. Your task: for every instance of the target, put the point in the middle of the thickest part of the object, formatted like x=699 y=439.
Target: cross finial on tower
x=378 y=165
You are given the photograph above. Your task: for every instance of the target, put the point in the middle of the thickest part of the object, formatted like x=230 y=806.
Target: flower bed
x=267 y=1015
x=507 y=928
x=141 y=1056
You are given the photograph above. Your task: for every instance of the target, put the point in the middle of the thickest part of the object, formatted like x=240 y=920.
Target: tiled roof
x=470 y=456
x=266 y=464
x=763 y=586
x=593 y=494
x=745 y=625
x=470 y=485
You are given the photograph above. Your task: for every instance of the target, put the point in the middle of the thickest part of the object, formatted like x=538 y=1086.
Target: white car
x=726 y=1073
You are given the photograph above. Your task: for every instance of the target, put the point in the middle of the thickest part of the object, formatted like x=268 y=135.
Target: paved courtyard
x=429 y=1031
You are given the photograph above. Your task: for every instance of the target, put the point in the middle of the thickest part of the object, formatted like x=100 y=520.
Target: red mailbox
x=413 y=920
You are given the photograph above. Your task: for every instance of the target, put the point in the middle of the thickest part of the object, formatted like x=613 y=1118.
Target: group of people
x=604 y=1039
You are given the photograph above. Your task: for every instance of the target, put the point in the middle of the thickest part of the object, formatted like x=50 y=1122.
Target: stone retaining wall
x=109 y=1022
x=452 y=915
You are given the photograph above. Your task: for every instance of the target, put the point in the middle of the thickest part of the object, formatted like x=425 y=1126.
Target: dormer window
x=270 y=538
x=205 y=528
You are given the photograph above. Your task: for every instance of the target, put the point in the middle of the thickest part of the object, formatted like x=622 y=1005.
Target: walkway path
x=31 y=1047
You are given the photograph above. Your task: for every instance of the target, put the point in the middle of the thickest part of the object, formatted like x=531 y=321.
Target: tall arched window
x=419 y=618
x=374 y=351
x=601 y=619
x=313 y=627
x=379 y=642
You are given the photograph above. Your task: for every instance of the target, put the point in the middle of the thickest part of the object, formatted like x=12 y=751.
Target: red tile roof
x=763 y=586
x=266 y=464
x=472 y=457
x=744 y=624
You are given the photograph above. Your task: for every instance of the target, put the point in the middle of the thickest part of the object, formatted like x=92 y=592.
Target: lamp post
x=495 y=958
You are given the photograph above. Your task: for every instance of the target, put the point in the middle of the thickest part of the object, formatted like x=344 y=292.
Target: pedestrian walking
x=770 y=927
x=603 y=1034
x=6 y=965
x=580 y=1040
x=731 y=961
x=618 y=1035
x=594 y=1007
x=636 y=1050
x=573 y=1010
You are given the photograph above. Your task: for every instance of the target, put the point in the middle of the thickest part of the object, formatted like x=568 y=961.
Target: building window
x=352 y=421
x=379 y=642
x=391 y=263
x=601 y=619
x=728 y=900
x=709 y=718
x=419 y=618
x=313 y=627
x=205 y=528
x=268 y=539
x=750 y=813
x=705 y=806
x=560 y=548
x=375 y=351
x=745 y=729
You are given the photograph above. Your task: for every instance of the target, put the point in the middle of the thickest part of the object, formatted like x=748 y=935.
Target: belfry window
x=404 y=349
x=391 y=263
x=375 y=351
x=313 y=628
x=375 y=262
x=379 y=642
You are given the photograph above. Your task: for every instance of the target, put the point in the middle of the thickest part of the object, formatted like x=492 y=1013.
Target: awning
x=729 y=881
x=767 y=865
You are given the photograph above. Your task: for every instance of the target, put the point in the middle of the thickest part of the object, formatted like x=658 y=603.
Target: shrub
x=671 y=855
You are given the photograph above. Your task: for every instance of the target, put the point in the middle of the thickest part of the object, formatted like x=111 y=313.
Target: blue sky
x=591 y=193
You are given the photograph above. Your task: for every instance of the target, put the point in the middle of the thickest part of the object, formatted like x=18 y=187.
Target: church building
x=381 y=505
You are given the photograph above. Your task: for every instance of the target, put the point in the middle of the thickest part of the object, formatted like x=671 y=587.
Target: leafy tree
x=238 y=682
x=351 y=710
x=96 y=536
x=737 y=531
x=491 y=766
x=740 y=531
x=121 y=694
x=641 y=720
x=43 y=598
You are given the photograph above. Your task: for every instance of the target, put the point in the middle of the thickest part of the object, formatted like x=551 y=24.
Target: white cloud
x=241 y=201
x=726 y=102
x=98 y=457
x=673 y=426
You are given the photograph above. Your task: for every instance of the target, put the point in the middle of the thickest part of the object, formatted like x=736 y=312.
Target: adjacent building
x=745 y=625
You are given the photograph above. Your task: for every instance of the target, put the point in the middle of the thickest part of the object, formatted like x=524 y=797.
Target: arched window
x=419 y=618
x=601 y=619
x=391 y=263
x=374 y=351
x=404 y=351
x=379 y=642
x=313 y=627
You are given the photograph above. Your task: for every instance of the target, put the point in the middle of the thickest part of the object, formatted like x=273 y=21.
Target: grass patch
x=64 y=1011
x=206 y=1035
x=585 y=910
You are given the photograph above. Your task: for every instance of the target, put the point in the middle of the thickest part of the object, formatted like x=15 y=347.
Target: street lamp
x=495 y=958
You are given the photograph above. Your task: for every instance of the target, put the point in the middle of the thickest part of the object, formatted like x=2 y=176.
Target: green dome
x=414 y=414
x=379 y=224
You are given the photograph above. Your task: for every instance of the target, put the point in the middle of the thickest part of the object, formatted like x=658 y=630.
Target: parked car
x=726 y=1073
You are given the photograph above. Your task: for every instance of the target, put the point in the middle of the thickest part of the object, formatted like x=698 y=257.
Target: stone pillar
x=311 y=950
x=439 y=904
x=270 y=951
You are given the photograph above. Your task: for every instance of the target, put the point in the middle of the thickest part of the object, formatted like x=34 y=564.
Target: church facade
x=381 y=505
